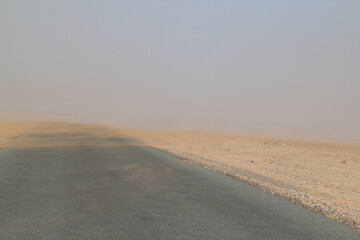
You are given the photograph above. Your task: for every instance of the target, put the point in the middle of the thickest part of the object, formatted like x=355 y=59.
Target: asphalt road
x=111 y=188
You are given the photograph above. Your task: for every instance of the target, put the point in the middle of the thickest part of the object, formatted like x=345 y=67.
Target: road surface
x=86 y=186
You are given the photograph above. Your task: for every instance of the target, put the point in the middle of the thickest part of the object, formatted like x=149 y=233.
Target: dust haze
x=283 y=69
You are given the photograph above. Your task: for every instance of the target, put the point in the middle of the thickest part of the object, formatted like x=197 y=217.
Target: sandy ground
x=319 y=176
x=11 y=130
x=322 y=177
x=74 y=134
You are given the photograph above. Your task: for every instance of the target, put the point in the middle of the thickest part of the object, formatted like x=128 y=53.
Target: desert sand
x=322 y=177
x=11 y=130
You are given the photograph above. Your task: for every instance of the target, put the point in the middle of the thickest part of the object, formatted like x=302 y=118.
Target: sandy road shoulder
x=321 y=177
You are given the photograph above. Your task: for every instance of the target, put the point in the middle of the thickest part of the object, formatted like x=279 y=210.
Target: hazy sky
x=272 y=68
